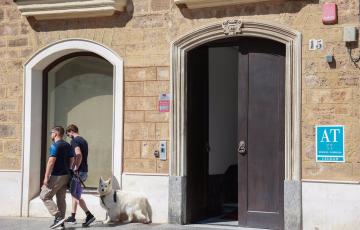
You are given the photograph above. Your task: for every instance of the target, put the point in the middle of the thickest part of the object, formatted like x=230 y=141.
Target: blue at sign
x=330 y=143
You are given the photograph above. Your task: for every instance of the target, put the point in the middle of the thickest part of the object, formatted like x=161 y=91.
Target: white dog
x=123 y=205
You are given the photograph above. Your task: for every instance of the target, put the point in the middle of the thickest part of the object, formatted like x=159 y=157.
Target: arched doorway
x=227 y=32
x=78 y=89
x=33 y=109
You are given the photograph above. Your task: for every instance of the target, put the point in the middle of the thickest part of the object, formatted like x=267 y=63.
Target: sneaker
x=61 y=227
x=57 y=222
x=70 y=220
x=89 y=219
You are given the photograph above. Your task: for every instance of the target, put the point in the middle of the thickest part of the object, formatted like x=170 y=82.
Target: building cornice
x=60 y=9
x=194 y=4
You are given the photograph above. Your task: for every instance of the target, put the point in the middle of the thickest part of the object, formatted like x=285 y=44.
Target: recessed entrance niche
x=181 y=210
x=235 y=138
x=78 y=89
x=33 y=142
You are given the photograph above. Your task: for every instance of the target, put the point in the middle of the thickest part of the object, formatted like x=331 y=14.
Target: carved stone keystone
x=232 y=27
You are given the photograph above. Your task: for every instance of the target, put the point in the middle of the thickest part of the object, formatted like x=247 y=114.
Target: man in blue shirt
x=61 y=159
x=80 y=148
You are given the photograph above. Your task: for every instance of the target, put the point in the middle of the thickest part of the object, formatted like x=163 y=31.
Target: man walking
x=57 y=176
x=80 y=147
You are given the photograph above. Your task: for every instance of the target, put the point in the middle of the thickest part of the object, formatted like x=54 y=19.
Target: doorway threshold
x=221 y=225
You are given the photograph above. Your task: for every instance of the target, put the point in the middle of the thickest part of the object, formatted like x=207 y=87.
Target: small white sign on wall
x=316 y=44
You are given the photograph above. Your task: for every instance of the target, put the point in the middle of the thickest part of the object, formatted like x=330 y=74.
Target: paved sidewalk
x=44 y=223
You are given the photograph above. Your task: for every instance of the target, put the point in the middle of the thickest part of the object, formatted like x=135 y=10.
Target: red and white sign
x=164 y=103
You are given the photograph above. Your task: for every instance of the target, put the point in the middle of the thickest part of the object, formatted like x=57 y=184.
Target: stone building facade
x=146 y=35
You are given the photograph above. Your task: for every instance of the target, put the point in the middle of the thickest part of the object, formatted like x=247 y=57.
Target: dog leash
x=72 y=174
x=82 y=182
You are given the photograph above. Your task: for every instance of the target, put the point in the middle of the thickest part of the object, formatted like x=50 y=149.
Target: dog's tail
x=149 y=211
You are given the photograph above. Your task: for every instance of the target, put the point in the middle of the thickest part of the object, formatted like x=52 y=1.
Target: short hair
x=59 y=130
x=73 y=128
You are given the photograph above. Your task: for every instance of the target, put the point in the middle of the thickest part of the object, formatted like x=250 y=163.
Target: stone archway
x=33 y=106
x=231 y=28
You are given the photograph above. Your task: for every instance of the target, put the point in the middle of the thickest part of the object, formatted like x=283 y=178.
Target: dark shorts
x=75 y=185
x=83 y=176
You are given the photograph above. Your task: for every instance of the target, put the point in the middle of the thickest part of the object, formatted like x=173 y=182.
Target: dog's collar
x=114 y=198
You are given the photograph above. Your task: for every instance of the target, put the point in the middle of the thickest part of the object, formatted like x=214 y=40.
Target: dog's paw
x=107 y=222
x=146 y=221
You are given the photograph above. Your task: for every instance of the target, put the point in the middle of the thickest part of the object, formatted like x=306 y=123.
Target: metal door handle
x=242 y=148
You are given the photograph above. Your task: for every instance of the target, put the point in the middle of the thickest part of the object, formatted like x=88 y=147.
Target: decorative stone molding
x=194 y=4
x=60 y=9
x=232 y=27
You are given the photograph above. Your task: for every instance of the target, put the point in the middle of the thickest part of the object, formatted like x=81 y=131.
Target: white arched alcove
x=32 y=110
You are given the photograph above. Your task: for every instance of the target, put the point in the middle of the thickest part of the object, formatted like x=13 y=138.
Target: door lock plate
x=242 y=148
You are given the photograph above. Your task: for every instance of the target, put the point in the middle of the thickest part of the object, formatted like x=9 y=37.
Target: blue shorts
x=75 y=185
x=83 y=176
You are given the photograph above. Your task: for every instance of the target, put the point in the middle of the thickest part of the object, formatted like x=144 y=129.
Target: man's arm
x=49 y=168
x=78 y=157
x=72 y=162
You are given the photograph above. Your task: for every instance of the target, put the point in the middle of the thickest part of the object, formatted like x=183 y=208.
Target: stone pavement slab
x=17 y=223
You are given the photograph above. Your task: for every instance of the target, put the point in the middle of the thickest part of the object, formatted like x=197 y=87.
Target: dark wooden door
x=261 y=128
x=197 y=121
